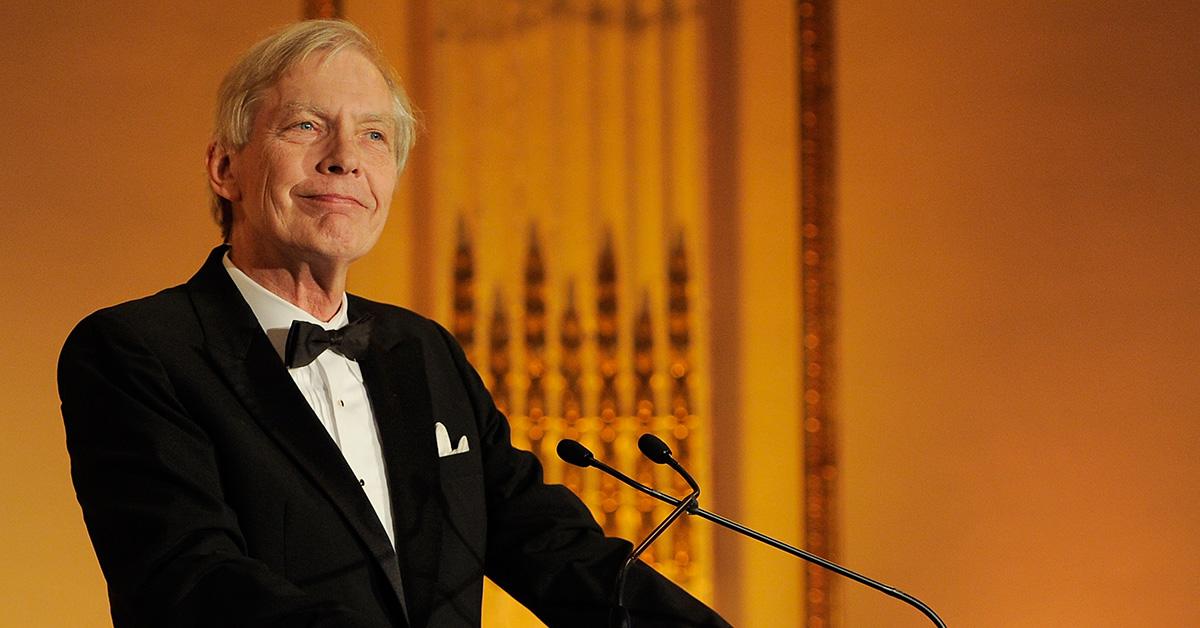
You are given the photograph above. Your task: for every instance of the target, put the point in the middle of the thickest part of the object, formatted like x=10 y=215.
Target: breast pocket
x=458 y=449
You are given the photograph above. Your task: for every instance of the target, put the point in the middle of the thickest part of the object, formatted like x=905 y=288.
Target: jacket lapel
x=244 y=357
x=394 y=373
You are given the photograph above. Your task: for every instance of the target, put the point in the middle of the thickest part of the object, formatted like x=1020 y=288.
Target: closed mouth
x=338 y=199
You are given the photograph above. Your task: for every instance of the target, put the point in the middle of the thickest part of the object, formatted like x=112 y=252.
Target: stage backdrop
x=1019 y=328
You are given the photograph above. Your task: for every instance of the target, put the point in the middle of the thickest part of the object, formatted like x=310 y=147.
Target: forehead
x=343 y=80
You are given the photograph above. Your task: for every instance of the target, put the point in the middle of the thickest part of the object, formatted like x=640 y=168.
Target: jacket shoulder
x=171 y=300
x=166 y=314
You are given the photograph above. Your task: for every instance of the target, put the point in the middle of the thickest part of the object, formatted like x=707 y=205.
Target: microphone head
x=654 y=448
x=573 y=452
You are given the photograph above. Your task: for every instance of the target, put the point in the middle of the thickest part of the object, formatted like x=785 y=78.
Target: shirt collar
x=274 y=314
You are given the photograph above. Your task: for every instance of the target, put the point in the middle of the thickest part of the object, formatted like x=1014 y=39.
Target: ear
x=221 y=176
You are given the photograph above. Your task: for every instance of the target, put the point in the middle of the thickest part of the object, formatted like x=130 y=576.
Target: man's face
x=315 y=181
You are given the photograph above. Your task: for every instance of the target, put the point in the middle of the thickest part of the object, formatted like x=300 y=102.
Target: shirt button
x=341 y=403
x=362 y=482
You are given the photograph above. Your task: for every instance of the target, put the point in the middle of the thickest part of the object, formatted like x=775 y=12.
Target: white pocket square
x=442 y=436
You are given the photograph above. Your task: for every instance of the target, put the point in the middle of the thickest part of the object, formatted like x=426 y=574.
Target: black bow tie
x=306 y=341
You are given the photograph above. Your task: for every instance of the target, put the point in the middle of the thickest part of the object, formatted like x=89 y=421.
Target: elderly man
x=258 y=448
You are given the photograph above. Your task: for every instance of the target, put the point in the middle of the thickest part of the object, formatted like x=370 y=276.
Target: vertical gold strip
x=818 y=299
x=723 y=222
x=679 y=342
x=607 y=405
x=499 y=361
x=571 y=369
x=535 y=345
x=463 y=324
x=643 y=396
x=605 y=160
x=422 y=179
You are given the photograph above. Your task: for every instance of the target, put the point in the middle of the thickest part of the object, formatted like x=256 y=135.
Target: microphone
x=573 y=452
x=658 y=452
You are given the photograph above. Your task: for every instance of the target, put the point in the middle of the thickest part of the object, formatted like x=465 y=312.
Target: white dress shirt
x=332 y=385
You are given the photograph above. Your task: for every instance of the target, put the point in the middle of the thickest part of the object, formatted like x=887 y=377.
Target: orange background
x=1020 y=289
x=1020 y=253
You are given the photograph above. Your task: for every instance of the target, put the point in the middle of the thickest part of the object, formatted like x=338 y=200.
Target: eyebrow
x=298 y=107
x=292 y=108
x=375 y=118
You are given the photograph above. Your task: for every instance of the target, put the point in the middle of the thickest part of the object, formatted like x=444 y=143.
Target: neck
x=316 y=288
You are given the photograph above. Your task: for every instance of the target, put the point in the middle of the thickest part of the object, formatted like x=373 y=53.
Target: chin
x=348 y=247
x=339 y=251
x=347 y=233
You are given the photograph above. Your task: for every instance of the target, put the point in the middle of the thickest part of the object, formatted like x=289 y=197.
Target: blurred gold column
x=818 y=303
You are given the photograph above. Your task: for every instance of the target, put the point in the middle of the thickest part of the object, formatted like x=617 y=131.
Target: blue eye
x=376 y=135
x=306 y=126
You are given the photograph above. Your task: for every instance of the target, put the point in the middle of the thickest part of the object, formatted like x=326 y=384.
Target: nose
x=341 y=157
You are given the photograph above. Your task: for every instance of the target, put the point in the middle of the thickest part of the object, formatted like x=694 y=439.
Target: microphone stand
x=573 y=456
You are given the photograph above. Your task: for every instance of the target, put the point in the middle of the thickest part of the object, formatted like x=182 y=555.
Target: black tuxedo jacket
x=214 y=496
